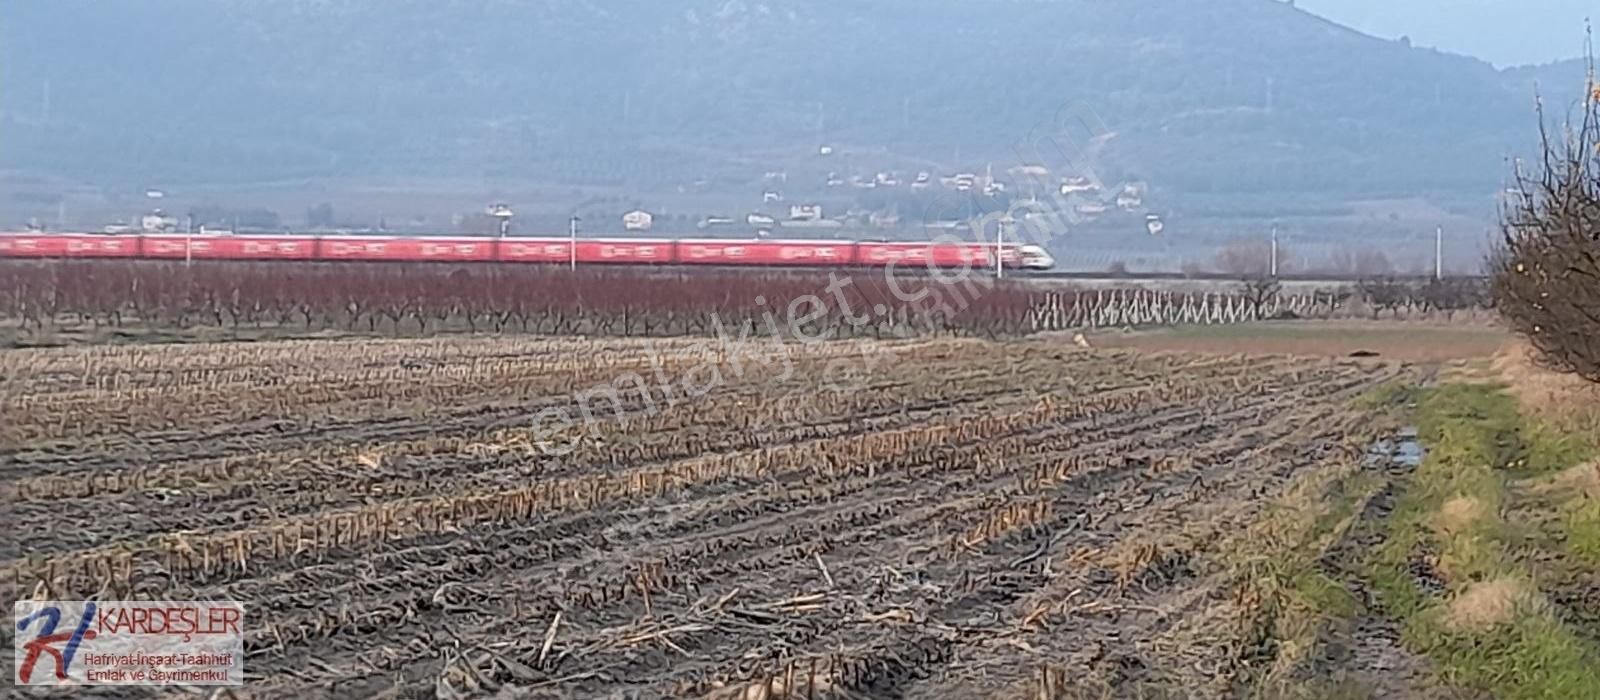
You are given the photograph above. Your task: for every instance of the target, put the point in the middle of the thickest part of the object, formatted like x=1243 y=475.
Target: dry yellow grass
x=1458 y=515
x=1491 y=603
x=1581 y=481
x=1566 y=402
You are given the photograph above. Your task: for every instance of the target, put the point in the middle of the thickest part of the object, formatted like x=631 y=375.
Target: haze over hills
x=1503 y=33
x=1232 y=96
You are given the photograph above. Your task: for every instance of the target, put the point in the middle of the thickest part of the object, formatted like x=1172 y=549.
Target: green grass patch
x=1583 y=532
x=1388 y=395
x=1452 y=521
x=1533 y=657
x=1277 y=562
x=1319 y=593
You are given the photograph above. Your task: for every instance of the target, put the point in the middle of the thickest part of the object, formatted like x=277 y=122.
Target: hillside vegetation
x=1229 y=96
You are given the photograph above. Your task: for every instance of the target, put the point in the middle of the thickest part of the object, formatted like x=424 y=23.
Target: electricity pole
x=1438 y=253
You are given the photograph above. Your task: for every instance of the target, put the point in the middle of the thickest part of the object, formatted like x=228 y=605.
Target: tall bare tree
x=1547 y=270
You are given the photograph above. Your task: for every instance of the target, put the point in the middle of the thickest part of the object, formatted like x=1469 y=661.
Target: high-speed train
x=585 y=251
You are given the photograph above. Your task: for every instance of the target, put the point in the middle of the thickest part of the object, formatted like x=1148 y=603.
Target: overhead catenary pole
x=1272 y=265
x=1000 y=246
x=572 y=243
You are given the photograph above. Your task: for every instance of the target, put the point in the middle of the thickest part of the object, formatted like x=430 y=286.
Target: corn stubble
x=950 y=525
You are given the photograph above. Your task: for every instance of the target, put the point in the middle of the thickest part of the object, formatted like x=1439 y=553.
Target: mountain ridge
x=1238 y=95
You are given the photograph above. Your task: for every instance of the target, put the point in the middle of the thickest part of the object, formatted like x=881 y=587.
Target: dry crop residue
x=967 y=519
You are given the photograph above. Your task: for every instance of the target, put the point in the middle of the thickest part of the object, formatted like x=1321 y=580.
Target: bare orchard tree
x=1382 y=294
x=1451 y=294
x=1261 y=293
x=1546 y=272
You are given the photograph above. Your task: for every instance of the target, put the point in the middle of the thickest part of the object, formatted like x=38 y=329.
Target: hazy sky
x=1503 y=32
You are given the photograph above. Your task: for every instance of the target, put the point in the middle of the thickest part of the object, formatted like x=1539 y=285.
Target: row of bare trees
x=1394 y=296
x=425 y=298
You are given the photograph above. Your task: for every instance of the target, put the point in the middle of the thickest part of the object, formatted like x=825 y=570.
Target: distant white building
x=157 y=222
x=1154 y=224
x=770 y=196
x=805 y=212
x=638 y=220
x=760 y=220
x=1131 y=199
x=714 y=221
x=1073 y=185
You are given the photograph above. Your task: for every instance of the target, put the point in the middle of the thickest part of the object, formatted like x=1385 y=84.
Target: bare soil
x=1420 y=342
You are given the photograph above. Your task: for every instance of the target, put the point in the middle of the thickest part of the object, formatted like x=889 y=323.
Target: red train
x=614 y=251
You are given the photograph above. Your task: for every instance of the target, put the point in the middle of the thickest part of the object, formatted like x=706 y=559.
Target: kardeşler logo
x=82 y=642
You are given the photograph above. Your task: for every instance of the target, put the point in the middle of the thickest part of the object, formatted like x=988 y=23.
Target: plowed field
x=917 y=519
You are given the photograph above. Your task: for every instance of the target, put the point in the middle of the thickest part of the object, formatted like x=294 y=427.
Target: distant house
x=157 y=222
x=1073 y=185
x=770 y=196
x=805 y=212
x=1154 y=224
x=760 y=220
x=638 y=220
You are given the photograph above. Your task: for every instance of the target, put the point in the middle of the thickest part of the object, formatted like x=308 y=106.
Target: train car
x=186 y=247
x=395 y=249
x=766 y=253
x=633 y=251
x=534 y=250
x=937 y=255
x=614 y=251
x=68 y=245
